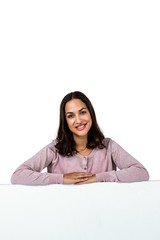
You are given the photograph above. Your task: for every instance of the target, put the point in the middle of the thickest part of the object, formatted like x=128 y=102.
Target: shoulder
x=52 y=145
x=110 y=144
x=51 y=150
x=113 y=145
x=107 y=142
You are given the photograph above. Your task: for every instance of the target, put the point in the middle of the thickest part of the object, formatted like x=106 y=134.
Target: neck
x=81 y=149
x=81 y=144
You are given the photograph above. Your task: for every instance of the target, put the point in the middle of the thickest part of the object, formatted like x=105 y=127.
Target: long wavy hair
x=65 y=142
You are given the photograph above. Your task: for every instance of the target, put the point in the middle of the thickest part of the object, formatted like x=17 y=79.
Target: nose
x=77 y=118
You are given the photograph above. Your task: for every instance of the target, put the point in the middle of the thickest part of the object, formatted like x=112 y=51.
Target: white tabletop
x=99 y=211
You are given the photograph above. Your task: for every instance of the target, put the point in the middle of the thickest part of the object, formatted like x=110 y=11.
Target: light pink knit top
x=100 y=162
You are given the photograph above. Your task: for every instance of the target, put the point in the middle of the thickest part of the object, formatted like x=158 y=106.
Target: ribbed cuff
x=56 y=178
x=106 y=177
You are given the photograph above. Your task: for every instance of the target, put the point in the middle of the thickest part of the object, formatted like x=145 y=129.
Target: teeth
x=80 y=127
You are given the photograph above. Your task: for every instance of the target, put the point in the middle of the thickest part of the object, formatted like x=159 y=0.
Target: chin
x=80 y=134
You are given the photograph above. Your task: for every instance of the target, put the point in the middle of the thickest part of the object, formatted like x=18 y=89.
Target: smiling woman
x=80 y=153
x=78 y=117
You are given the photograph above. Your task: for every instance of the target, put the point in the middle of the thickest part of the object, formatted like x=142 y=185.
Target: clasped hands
x=78 y=178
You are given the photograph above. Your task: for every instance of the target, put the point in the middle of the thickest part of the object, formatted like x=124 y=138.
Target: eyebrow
x=79 y=111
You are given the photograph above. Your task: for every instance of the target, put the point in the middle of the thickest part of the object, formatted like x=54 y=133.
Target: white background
x=108 y=49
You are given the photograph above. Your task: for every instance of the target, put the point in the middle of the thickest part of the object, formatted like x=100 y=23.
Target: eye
x=70 y=116
x=83 y=112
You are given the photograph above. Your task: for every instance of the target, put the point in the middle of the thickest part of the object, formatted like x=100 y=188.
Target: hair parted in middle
x=65 y=142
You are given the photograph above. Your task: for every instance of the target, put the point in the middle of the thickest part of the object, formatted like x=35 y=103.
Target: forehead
x=74 y=105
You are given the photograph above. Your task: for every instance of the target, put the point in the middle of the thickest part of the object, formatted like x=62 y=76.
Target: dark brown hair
x=65 y=142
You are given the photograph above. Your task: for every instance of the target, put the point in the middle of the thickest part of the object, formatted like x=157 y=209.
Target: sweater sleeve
x=129 y=169
x=30 y=171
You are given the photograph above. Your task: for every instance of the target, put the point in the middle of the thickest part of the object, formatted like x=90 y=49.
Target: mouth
x=81 y=127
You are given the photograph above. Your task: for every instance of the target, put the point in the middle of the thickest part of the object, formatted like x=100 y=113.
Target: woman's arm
x=130 y=170
x=30 y=171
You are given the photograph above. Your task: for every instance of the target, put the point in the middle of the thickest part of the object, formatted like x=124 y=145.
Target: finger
x=80 y=180
x=88 y=180
x=81 y=175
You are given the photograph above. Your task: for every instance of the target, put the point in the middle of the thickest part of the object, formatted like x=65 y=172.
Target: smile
x=81 y=127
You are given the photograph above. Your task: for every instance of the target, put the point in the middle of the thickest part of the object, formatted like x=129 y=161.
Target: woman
x=80 y=153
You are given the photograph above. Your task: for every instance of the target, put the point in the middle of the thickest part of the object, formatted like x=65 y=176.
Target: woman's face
x=78 y=117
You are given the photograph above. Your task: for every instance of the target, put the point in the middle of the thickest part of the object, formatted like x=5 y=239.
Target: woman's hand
x=77 y=178
x=91 y=179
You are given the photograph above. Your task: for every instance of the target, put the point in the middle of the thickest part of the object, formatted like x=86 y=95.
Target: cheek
x=89 y=119
x=69 y=122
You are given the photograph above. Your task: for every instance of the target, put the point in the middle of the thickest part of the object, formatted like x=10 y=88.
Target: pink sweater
x=101 y=162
